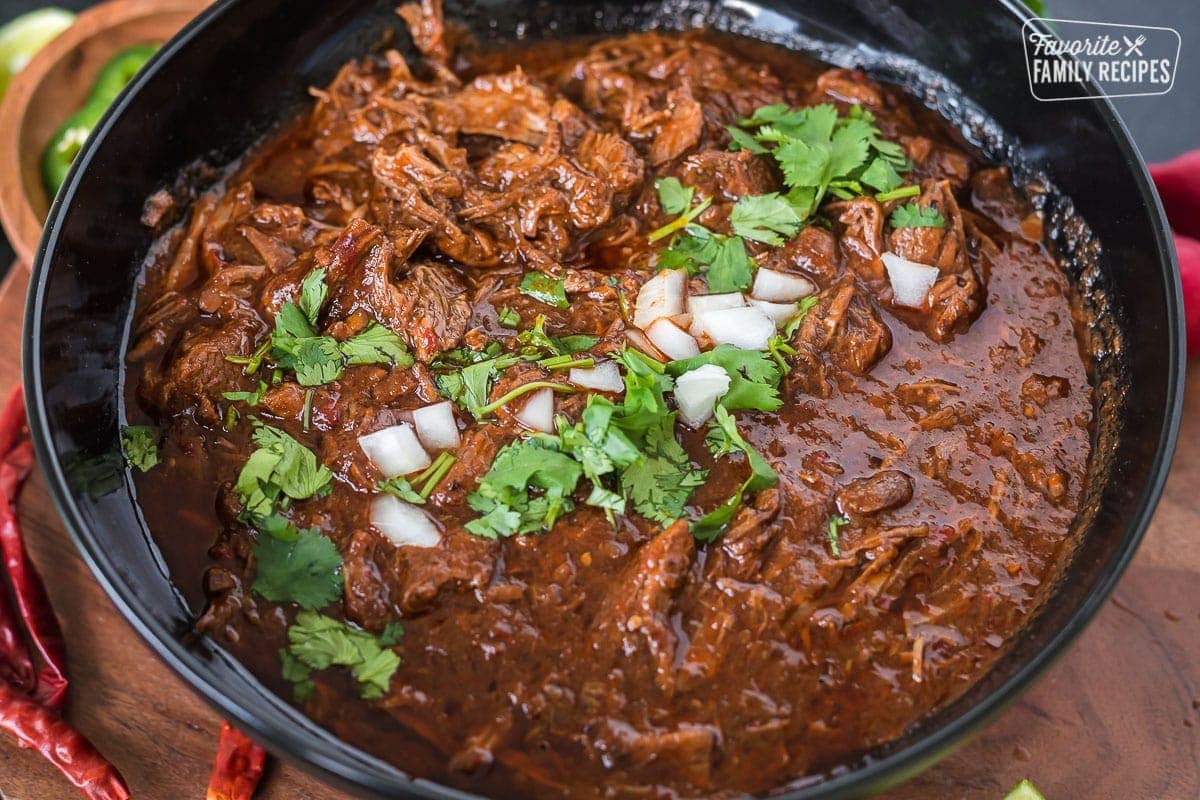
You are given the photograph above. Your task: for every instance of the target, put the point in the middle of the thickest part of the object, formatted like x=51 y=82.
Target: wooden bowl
x=55 y=84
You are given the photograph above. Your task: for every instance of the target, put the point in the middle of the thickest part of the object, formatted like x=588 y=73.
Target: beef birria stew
x=644 y=417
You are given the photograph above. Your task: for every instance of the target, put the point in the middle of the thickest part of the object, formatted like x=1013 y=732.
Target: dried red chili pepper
x=238 y=766
x=16 y=453
x=42 y=729
x=16 y=666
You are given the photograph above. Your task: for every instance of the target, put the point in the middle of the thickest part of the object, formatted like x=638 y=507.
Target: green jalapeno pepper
x=66 y=143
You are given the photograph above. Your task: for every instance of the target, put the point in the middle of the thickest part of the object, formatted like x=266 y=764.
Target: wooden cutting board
x=1118 y=718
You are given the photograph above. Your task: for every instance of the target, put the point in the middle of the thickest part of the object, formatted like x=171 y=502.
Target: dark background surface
x=1162 y=126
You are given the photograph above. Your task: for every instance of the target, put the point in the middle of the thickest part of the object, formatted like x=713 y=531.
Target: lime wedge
x=1024 y=791
x=24 y=36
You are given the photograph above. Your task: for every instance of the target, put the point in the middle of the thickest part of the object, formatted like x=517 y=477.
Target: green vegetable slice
x=1024 y=791
x=140 y=443
x=23 y=37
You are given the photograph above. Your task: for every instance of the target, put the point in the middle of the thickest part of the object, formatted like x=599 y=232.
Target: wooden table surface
x=1118 y=718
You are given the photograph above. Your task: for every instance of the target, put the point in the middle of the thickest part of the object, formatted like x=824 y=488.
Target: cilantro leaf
x=722 y=439
x=401 y=488
x=390 y=636
x=300 y=676
x=741 y=140
x=313 y=292
x=280 y=466
x=807 y=304
x=912 y=215
x=673 y=196
x=835 y=524
x=753 y=376
x=764 y=218
x=545 y=289
x=536 y=342
x=730 y=267
x=661 y=482
x=317 y=642
x=316 y=361
x=464 y=356
x=249 y=398
x=306 y=571
x=645 y=403
x=820 y=153
x=881 y=176
x=376 y=345
x=140 y=444
x=506 y=496
x=508 y=318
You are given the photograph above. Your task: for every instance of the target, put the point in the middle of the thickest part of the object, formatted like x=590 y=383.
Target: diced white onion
x=395 y=450
x=780 y=313
x=604 y=377
x=674 y=342
x=780 y=287
x=661 y=296
x=697 y=392
x=643 y=343
x=436 y=426
x=911 y=281
x=683 y=320
x=538 y=412
x=746 y=327
x=403 y=523
x=698 y=303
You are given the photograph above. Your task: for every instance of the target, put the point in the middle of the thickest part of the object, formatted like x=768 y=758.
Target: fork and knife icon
x=1134 y=45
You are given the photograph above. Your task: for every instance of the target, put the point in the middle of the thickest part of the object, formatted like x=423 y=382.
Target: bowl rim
x=298 y=746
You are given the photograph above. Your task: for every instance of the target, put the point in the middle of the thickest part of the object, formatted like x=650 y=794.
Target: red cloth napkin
x=1178 y=183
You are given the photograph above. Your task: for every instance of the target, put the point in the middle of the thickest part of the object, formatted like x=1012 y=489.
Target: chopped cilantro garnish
x=646 y=385
x=140 y=443
x=425 y=483
x=464 y=356
x=400 y=487
x=528 y=488
x=660 y=482
x=317 y=642
x=835 y=524
x=676 y=199
x=673 y=196
x=912 y=215
x=723 y=259
x=470 y=386
x=521 y=391
x=249 y=398
x=508 y=318
x=294 y=343
x=391 y=633
x=898 y=193
x=722 y=439
x=820 y=153
x=764 y=218
x=376 y=345
x=280 y=467
x=753 y=376
x=536 y=342
x=544 y=289
x=780 y=345
x=305 y=570
x=313 y=293
x=601 y=449
x=695 y=248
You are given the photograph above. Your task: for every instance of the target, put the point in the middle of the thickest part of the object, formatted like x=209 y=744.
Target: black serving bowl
x=246 y=64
